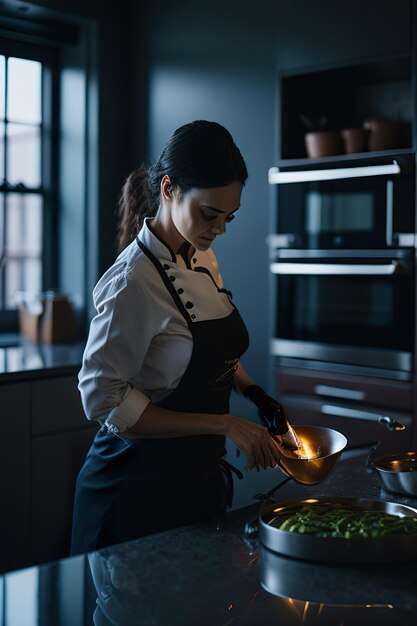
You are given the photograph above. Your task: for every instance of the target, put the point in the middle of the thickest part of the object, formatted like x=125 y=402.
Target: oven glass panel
x=365 y=311
x=339 y=212
x=347 y=213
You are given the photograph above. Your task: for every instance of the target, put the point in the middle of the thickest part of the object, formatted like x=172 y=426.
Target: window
x=49 y=159
x=26 y=173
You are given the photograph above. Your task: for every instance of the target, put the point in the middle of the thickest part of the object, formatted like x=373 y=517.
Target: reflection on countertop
x=211 y=574
x=20 y=358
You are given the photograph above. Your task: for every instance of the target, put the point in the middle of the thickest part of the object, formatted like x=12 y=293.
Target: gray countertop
x=21 y=359
x=211 y=574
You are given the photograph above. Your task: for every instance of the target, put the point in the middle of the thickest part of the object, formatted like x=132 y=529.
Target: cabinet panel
x=313 y=34
x=56 y=461
x=329 y=386
x=306 y=410
x=14 y=476
x=56 y=405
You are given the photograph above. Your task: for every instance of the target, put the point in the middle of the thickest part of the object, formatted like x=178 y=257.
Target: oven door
x=356 y=311
x=345 y=211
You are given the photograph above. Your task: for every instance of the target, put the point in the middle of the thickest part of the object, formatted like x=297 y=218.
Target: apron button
x=180 y=290
x=172 y=278
x=189 y=305
x=166 y=267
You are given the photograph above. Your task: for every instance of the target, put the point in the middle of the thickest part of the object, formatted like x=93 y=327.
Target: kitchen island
x=212 y=574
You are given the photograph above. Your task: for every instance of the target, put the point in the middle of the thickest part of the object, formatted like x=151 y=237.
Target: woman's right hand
x=254 y=441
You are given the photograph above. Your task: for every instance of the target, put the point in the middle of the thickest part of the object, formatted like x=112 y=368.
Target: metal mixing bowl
x=329 y=444
x=397 y=472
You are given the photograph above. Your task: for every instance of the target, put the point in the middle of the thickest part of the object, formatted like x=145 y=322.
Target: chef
x=163 y=353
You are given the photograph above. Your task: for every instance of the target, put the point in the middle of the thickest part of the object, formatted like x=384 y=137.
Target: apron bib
x=131 y=488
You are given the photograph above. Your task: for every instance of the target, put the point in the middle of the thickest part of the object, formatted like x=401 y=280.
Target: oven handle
x=341 y=411
x=342 y=269
x=339 y=392
x=276 y=177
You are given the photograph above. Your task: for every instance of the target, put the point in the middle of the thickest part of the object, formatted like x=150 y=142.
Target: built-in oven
x=352 y=307
x=367 y=206
x=342 y=262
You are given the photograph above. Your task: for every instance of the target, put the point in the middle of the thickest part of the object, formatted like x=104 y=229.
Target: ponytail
x=135 y=203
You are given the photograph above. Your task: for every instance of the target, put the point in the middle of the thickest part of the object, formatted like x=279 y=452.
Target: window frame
x=49 y=56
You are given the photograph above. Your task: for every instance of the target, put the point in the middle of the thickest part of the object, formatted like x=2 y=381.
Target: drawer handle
x=338 y=392
x=340 y=411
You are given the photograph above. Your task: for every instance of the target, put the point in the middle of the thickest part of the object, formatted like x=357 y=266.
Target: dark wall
x=216 y=60
x=327 y=33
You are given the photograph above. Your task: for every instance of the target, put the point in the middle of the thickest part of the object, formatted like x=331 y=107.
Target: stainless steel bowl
x=329 y=444
x=397 y=472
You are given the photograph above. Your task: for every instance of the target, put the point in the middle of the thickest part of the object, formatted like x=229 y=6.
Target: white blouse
x=139 y=344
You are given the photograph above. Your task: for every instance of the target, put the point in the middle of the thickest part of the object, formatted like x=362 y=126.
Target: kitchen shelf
x=345 y=159
x=346 y=96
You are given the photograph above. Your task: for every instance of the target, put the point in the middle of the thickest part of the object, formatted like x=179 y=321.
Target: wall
x=217 y=62
x=328 y=33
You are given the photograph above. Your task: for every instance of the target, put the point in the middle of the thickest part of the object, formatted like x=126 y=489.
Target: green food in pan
x=332 y=520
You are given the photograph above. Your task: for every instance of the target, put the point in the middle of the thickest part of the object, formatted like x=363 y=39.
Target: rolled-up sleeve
x=119 y=338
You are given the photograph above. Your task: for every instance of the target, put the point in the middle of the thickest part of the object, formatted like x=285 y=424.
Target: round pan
x=338 y=550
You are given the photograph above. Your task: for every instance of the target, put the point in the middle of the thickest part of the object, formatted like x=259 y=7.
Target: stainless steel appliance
x=355 y=309
x=342 y=277
x=342 y=263
x=358 y=205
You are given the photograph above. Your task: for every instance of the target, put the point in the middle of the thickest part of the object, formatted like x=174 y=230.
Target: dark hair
x=200 y=154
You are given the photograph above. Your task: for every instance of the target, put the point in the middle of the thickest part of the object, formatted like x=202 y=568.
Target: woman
x=163 y=353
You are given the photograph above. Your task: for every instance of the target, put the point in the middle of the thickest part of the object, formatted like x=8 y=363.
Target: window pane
x=24 y=217
x=14 y=223
x=32 y=225
x=1 y=151
x=2 y=86
x=13 y=277
x=24 y=155
x=24 y=224
x=2 y=259
x=24 y=91
x=31 y=277
x=22 y=275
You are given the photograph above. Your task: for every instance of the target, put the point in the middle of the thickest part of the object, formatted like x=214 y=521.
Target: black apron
x=131 y=488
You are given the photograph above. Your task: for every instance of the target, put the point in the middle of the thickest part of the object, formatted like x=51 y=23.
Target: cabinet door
x=330 y=386
x=14 y=476
x=56 y=405
x=56 y=461
x=312 y=34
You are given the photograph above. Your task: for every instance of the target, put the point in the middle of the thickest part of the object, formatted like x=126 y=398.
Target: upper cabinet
x=324 y=33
